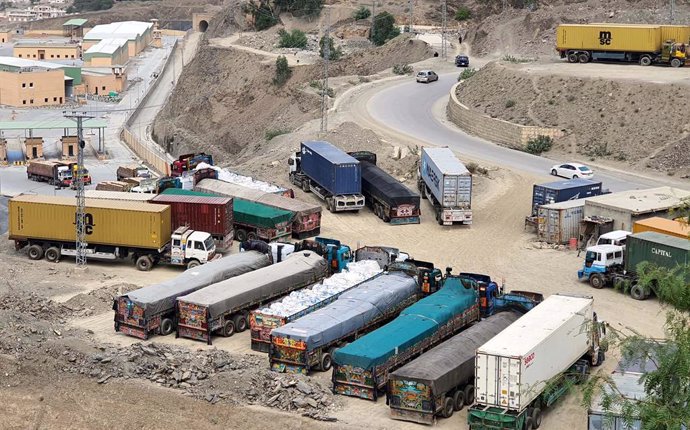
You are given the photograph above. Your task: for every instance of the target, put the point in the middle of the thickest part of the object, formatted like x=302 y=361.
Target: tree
x=333 y=52
x=362 y=13
x=384 y=28
x=89 y=5
x=294 y=39
x=283 y=72
x=301 y=7
x=262 y=13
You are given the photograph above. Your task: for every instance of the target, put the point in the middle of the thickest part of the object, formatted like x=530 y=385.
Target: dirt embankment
x=637 y=122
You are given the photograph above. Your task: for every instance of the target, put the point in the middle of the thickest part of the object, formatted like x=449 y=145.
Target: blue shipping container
x=331 y=168
x=560 y=191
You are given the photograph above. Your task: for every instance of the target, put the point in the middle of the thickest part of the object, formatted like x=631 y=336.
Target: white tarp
x=246 y=181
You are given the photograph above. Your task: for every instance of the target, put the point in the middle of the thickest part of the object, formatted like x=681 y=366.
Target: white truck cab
x=603 y=256
x=191 y=247
x=616 y=237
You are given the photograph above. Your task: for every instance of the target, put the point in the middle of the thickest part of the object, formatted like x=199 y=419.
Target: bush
x=262 y=13
x=510 y=103
x=88 y=5
x=270 y=134
x=463 y=14
x=361 y=13
x=283 y=72
x=472 y=166
x=466 y=74
x=305 y=8
x=333 y=52
x=511 y=59
x=402 y=69
x=539 y=144
x=294 y=39
x=384 y=28
x=330 y=92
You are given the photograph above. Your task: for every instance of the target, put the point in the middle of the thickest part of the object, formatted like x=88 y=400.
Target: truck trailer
x=361 y=368
x=561 y=191
x=52 y=172
x=390 y=200
x=447 y=183
x=309 y=342
x=224 y=306
x=132 y=171
x=114 y=230
x=633 y=43
x=188 y=162
x=325 y=170
x=531 y=364
x=151 y=310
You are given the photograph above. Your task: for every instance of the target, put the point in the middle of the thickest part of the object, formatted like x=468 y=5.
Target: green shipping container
x=659 y=249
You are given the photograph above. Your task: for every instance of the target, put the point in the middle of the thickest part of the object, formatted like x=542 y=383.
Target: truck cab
x=493 y=298
x=336 y=254
x=600 y=260
x=191 y=248
x=187 y=162
x=64 y=176
x=73 y=167
x=616 y=237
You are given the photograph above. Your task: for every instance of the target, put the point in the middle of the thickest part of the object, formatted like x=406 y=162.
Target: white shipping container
x=447 y=178
x=559 y=222
x=513 y=368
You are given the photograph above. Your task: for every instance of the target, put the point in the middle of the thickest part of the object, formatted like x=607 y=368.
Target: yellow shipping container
x=609 y=37
x=664 y=226
x=678 y=33
x=108 y=222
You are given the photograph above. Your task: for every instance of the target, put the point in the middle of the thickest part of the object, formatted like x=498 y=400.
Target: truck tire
x=528 y=424
x=228 y=329
x=330 y=203
x=448 y=408
x=469 y=394
x=305 y=185
x=422 y=190
x=637 y=292
x=572 y=57
x=536 y=418
x=676 y=62
x=583 y=57
x=597 y=281
x=193 y=263
x=53 y=254
x=458 y=400
x=240 y=235
x=645 y=60
x=240 y=321
x=325 y=362
x=166 y=327
x=252 y=236
x=144 y=263
x=35 y=252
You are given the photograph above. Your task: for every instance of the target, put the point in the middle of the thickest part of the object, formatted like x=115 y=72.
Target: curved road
x=414 y=109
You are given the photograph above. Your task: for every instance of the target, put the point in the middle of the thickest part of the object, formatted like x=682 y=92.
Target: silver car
x=426 y=76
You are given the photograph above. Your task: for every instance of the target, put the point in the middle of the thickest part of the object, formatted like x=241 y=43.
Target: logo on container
x=604 y=38
x=88 y=223
x=661 y=252
x=432 y=175
x=529 y=360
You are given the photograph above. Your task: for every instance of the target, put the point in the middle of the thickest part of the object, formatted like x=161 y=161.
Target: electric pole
x=79 y=181
x=410 y=6
x=324 y=85
x=673 y=9
x=444 y=23
x=373 y=14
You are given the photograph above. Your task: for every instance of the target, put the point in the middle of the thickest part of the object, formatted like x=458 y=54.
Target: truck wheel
x=326 y=362
x=572 y=57
x=35 y=252
x=528 y=424
x=252 y=236
x=53 y=254
x=193 y=263
x=166 y=327
x=240 y=235
x=144 y=263
x=422 y=192
x=596 y=281
x=228 y=329
x=447 y=410
x=645 y=60
x=458 y=400
x=439 y=218
x=305 y=186
x=536 y=418
x=240 y=322
x=637 y=292
x=675 y=63
x=469 y=394
x=330 y=203
x=583 y=58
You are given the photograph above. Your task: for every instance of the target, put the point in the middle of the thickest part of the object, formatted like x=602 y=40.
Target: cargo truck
x=132 y=171
x=231 y=177
x=447 y=183
x=188 y=162
x=256 y=221
x=635 y=43
x=390 y=200
x=528 y=366
x=384 y=255
x=115 y=230
x=151 y=310
x=334 y=176
x=561 y=191
x=308 y=343
x=306 y=219
x=609 y=265
x=52 y=172
x=86 y=177
x=337 y=255
x=224 y=307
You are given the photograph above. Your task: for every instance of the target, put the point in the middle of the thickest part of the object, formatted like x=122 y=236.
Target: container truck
x=361 y=368
x=531 y=364
x=561 y=191
x=384 y=255
x=151 y=310
x=188 y=162
x=303 y=302
x=52 y=172
x=224 y=307
x=390 y=200
x=86 y=176
x=115 y=230
x=132 y=171
x=441 y=381
x=664 y=226
x=226 y=175
x=447 y=183
x=306 y=220
x=256 y=221
x=308 y=343
x=334 y=176
x=635 y=43
x=609 y=265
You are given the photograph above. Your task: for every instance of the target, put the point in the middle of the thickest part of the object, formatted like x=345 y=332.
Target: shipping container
x=560 y=222
x=331 y=168
x=108 y=222
x=664 y=226
x=447 y=178
x=677 y=33
x=561 y=191
x=609 y=37
x=118 y=195
x=656 y=248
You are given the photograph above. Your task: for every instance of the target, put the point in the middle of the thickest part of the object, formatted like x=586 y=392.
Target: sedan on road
x=426 y=76
x=572 y=170
x=462 y=61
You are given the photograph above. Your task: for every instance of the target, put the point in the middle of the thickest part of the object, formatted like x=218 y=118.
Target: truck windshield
x=591 y=256
x=208 y=243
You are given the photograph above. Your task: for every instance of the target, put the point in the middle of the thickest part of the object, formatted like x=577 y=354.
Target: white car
x=572 y=171
x=426 y=76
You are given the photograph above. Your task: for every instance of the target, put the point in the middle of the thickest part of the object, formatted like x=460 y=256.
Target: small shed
x=74 y=28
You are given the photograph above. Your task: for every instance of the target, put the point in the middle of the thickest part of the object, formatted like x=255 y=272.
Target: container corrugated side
x=659 y=249
x=678 y=33
x=118 y=195
x=663 y=226
x=210 y=214
x=609 y=38
x=337 y=178
x=558 y=224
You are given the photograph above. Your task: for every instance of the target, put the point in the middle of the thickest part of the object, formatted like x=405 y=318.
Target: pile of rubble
x=32 y=304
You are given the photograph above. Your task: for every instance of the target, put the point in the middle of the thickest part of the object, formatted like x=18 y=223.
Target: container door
x=486 y=374
x=464 y=195
x=554 y=226
x=508 y=382
x=450 y=191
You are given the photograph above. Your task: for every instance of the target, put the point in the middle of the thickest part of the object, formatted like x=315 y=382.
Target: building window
x=103 y=88
x=58 y=55
x=23 y=102
x=20 y=55
x=72 y=56
x=52 y=56
x=45 y=100
x=31 y=101
x=23 y=84
x=31 y=84
x=54 y=99
x=34 y=55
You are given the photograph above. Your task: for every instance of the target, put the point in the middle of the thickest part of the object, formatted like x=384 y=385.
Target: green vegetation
x=463 y=14
x=283 y=72
x=362 y=13
x=510 y=103
x=330 y=92
x=333 y=52
x=539 y=144
x=275 y=132
x=294 y=39
x=402 y=69
x=466 y=74
x=517 y=60
x=262 y=13
x=89 y=5
x=302 y=8
x=384 y=28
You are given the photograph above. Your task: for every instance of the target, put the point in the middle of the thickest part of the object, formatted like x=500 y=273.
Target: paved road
x=414 y=109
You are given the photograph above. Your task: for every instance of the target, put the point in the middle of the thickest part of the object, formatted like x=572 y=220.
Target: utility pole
x=444 y=24
x=373 y=14
x=81 y=203
x=673 y=9
x=324 y=85
x=410 y=6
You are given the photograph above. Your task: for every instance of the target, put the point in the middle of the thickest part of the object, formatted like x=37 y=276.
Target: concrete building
x=34 y=13
x=25 y=83
x=102 y=81
x=107 y=53
x=24 y=15
x=74 y=28
x=46 y=50
x=6 y=36
x=138 y=34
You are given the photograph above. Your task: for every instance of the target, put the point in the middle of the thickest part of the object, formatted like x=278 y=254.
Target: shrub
x=402 y=69
x=270 y=134
x=510 y=103
x=361 y=13
x=539 y=144
x=472 y=166
x=263 y=15
x=88 y=5
x=301 y=7
x=333 y=52
x=294 y=39
x=330 y=92
x=466 y=74
x=384 y=28
x=463 y=14
x=283 y=72
x=511 y=59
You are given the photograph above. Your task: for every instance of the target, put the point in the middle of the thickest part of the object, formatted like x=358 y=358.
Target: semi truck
x=308 y=343
x=614 y=265
x=390 y=200
x=188 y=162
x=306 y=219
x=151 y=310
x=447 y=183
x=633 y=43
x=52 y=172
x=337 y=255
x=224 y=306
x=328 y=172
x=115 y=230
x=528 y=366
x=361 y=368
x=283 y=311
x=132 y=171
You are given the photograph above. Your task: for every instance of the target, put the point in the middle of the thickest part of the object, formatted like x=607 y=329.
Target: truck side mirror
x=291 y=161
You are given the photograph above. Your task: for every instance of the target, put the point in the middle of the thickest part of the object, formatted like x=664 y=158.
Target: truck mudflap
x=411 y=401
x=354 y=381
x=491 y=417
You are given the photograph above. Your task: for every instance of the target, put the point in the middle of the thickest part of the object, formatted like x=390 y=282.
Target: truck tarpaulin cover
x=452 y=362
x=298 y=269
x=353 y=310
x=414 y=324
x=246 y=212
x=161 y=297
x=385 y=187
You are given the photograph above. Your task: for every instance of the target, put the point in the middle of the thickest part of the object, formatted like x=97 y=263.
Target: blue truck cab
x=338 y=255
x=493 y=298
x=600 y=262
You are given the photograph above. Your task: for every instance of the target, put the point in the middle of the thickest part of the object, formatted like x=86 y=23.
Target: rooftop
x=641 y=201
x=107 y=46
x=44 y=43
x=25 y=63
x=126 y=29
x=77 y=22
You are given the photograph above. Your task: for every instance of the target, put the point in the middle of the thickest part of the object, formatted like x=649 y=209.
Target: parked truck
x=229 y=176
x=151 y=310
x=308 y=343
x=535 y=361
x=384 y=255
x=334 y=176
x=132 y=171
x=52 y=172
x=224 y=307
x=337 y=255
x=86 y=176
x=609 y=265
x=188 y=162
x=390 y=200
x=115 y=230
x=447 y=183
x=306 y=219
x=634 y=43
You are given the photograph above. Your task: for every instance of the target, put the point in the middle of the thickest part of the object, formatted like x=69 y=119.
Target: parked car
x=462 y=61
x=426 y=76
x=572 y=170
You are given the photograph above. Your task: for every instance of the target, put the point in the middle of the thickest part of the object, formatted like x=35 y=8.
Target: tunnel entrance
x=203 y=25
